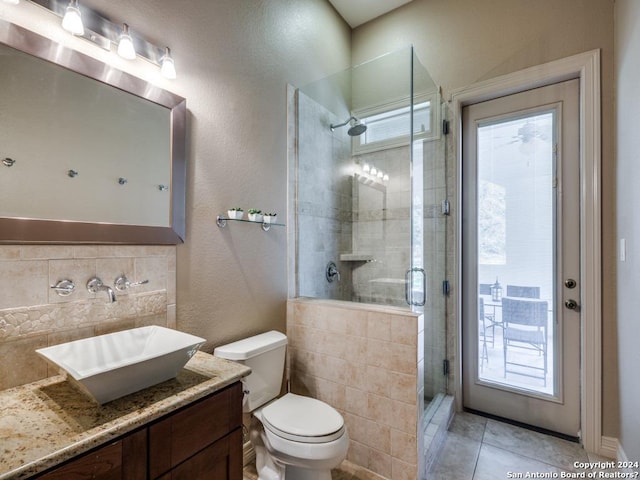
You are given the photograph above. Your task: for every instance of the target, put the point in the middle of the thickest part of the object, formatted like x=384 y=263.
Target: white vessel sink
x=110 y=366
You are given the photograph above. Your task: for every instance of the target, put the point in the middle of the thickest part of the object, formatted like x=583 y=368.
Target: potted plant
x=235 y=213
x=255 y=215
x=270 y=217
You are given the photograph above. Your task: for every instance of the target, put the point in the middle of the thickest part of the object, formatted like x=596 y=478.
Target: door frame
x=586 y=68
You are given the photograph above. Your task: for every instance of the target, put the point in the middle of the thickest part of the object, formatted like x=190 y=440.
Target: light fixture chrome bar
x=103 y=32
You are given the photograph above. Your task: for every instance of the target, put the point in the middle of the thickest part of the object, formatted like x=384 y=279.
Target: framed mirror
x=88 y=154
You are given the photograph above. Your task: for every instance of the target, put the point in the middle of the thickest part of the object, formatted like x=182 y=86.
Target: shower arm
x=333 y=127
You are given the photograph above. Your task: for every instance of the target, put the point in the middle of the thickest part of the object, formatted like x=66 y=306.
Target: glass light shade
x=125 y=45
x=168 y=68
x=12 y=2
x=72 y=21
x=366 y=168
x=374 y=171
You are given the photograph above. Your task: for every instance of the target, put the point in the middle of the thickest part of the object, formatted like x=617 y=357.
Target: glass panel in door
x=516 y=259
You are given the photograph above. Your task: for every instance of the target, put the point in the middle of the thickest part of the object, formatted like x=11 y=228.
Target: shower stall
x=368 y=195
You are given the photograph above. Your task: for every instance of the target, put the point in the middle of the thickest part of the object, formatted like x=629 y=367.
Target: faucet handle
x=64 y=287
x=122 y=283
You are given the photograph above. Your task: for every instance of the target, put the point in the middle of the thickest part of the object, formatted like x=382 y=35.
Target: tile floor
x=477 y=448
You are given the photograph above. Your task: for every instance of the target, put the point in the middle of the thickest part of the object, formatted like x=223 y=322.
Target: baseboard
x=248 y=454
x=609 y=447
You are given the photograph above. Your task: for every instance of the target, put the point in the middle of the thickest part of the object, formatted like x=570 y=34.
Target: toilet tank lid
x=252 y=346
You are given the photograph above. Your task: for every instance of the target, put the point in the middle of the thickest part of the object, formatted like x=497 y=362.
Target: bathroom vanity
x=189 y=427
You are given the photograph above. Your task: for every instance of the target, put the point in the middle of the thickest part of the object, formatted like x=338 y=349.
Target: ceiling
x=357 y=12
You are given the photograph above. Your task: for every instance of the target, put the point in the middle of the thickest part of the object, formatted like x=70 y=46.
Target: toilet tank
x=264 y=354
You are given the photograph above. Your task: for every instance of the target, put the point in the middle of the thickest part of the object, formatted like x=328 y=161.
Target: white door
x=521 y=257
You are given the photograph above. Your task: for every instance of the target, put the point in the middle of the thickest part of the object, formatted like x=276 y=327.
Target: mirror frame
x=27 y=230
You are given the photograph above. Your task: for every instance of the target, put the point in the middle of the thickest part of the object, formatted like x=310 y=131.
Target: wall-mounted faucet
x=332 y=273
x=95 y=285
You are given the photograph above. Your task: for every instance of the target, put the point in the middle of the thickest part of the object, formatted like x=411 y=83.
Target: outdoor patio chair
x=525 y=327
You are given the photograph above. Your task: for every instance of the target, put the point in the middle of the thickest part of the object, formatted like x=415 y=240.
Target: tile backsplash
x=33 y=315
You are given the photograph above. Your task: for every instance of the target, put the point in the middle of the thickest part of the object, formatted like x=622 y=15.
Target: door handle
x=408 y=286
x=571 y=304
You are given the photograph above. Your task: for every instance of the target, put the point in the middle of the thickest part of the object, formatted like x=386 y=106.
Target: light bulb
x=72 y=21
x=168 y=68
x=125 y=45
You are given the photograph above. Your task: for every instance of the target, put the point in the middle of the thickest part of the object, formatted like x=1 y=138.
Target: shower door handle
x=408 y=286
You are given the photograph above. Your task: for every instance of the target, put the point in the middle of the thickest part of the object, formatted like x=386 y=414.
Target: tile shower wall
x=367 y=362
x=382 y=228
x=323 y=201
x=33 y=316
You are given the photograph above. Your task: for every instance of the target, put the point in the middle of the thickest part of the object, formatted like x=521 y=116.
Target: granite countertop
x=47 y=422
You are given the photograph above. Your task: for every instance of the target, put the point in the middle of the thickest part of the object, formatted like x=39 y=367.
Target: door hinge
x=445 y=367
x=446 y=207
x=445 y=127
x=446 y=288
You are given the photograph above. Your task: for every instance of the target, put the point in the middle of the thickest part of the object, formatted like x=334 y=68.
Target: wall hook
x=163 y=188
x=122 y=180
x=72 y=173
x=8 y=162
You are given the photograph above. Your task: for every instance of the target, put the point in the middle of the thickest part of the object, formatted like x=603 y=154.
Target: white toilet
x=295 y=437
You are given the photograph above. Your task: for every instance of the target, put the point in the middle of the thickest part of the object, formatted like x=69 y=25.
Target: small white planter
x=255 y=217
x=235 y=214
x=270 y=218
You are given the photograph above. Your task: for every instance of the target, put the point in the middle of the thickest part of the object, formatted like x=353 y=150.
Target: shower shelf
x=221 y=221
x=356 y=257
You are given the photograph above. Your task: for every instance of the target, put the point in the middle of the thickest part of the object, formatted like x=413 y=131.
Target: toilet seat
x=302 y=419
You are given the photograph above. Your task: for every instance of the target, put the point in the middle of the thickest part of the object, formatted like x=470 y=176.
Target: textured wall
x=467 y=41
x=628 y=105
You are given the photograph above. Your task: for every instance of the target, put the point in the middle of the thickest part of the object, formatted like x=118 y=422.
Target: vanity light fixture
x=12 y=2
x=168 y=68
x=72 y=20
x=125 y=44
x=101 y=31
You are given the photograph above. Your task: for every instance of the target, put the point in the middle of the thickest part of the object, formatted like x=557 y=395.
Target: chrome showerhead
x=356 y=128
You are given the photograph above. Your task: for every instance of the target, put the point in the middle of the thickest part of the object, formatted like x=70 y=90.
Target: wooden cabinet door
x=102 y=464
x=222 y=461
x=185 y=433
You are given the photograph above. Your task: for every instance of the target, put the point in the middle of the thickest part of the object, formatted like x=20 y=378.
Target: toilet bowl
x=294 y=437
x=304 y=437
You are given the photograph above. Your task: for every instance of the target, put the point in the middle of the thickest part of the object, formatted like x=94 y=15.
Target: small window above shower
x=388 y=125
